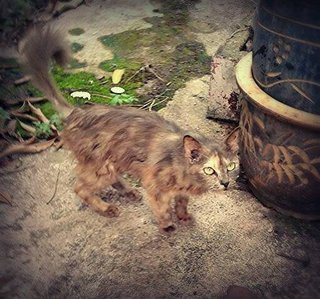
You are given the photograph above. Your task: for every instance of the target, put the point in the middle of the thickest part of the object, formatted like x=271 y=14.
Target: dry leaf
x=24 y=148
x=23 y=115
x=28 y=128
x=273 y=74
x=31 y=100
x=117 y=76
x=22 y=80
x=38 y=113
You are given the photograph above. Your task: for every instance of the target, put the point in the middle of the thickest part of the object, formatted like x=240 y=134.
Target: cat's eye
x=231 y=166
x=208 y=170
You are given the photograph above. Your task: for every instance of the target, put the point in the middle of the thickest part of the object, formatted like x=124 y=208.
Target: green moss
x=84 y=81
x=76 y=31
x=47 y=109
x=22 y=132
x=167 y=45
x=76 y=47
x=118 y=62
x=76 y=64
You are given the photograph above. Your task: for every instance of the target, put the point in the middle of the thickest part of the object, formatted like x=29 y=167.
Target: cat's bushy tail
x=40 y=46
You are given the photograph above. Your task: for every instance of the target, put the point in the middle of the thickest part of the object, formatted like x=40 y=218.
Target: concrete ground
x=51 y=246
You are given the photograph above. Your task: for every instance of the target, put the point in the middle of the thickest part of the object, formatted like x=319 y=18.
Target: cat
x=109 y=141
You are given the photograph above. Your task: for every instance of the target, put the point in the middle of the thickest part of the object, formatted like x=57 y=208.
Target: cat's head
x=218 y=166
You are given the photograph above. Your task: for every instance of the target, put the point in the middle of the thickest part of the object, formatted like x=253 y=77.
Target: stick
x=135 y=74
x=152 y=103
x=149 y=69
x=23 y=116
x=101 y=95
x=31 y=100
x=22 y=80
x=237 y=31
x=21 y=148
x=55 y=188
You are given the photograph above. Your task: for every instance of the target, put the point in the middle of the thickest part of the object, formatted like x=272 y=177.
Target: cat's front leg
x=160 y=206
x=181 y=209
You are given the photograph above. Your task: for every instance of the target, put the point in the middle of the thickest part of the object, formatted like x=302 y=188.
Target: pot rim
x=269 y=104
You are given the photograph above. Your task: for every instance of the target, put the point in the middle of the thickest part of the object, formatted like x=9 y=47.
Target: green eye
x=208 y=170
x=231 y=166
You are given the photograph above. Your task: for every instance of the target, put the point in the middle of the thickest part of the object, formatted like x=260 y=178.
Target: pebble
x=117 y=90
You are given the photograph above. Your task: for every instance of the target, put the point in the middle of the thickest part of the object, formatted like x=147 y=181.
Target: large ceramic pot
x=286 y=52
x=279 y=148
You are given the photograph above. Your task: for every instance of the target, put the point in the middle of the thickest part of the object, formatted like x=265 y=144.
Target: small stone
x=117 y=90
x=100 y=77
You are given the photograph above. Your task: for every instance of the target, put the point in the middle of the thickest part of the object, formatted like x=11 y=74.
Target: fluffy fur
x=111 y=141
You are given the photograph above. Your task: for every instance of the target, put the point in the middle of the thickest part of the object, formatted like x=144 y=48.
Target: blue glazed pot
x=286 y=52
x=279 y=149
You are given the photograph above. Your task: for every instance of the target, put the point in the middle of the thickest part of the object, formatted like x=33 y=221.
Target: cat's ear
x=232 y=141
x=192 y=148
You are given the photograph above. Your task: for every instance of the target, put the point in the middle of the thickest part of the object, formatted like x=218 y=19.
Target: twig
x=21 y=148
x=28 y=128
x=55 y=188
x=6 y=200
x=147 y=103
x=152 y=103
x=22 y=80
x=158 y=103
x=23 y=116
x=101 y=95
x=135 y=74
x=237 y=31
x=149 y=69
x=29 y=99
x=38 y=113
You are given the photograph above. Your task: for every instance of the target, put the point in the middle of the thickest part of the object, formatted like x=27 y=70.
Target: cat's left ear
x=192 y=148
x=232 y=141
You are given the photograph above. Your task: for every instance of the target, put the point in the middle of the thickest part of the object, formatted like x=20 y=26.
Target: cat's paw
x=169 y=229
x=110 y=211
x=133 y=195
x=186 y=219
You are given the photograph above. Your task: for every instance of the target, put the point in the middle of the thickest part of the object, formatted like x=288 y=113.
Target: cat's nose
x=225 y=184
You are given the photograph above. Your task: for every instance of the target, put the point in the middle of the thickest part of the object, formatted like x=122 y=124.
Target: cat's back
x=111 y=118
x=95 y=129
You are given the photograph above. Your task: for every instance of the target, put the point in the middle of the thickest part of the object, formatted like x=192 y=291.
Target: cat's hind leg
x=126 y=190
x=89 y=184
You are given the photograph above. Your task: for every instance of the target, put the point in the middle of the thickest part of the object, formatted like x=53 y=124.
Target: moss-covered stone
x=76 y=47
x=118 y=62
x=76 y=31
x=76 y=64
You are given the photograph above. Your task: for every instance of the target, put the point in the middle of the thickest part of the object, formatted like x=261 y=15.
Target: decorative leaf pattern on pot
x=282 y=162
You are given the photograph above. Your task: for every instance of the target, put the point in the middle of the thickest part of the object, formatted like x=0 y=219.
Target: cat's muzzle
x=224 y=183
